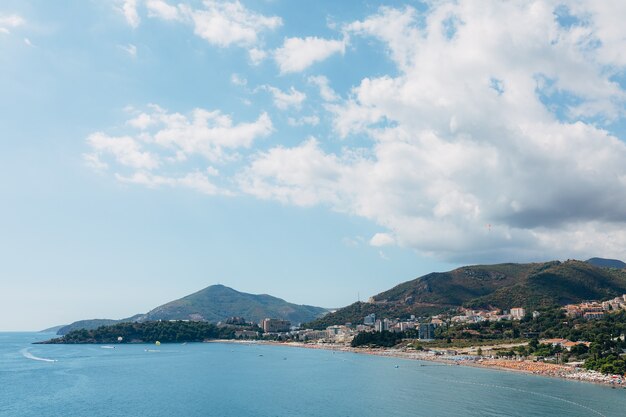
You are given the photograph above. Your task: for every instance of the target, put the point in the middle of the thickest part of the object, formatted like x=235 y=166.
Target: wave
x=26 y=353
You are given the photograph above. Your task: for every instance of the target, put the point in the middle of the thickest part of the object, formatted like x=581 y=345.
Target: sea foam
x=26 y=353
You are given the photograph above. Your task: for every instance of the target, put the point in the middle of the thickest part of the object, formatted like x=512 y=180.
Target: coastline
x=507 y=365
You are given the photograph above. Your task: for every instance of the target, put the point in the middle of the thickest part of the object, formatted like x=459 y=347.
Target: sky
x=320 y=152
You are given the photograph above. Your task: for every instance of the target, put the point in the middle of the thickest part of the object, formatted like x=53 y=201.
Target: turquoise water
x=210 y=379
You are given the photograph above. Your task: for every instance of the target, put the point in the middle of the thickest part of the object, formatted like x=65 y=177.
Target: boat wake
x=26 y=353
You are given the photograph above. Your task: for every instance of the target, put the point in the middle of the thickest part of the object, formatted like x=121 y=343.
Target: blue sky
x=314 y=152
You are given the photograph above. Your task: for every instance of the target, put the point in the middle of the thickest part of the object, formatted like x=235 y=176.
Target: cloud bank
x=490 y=141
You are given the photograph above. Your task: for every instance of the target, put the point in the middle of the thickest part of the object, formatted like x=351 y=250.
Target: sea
x=241 y=380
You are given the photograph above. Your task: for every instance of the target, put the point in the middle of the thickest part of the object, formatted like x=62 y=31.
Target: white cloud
x=196 y=181
x=163 y=10
x=28 y=42
x=221 y=23
x=605 y=19
x=256 y=55
x=237 y=79
x=128 y=8
x=93 y=161
x=210 y=134
x=473 y=131
x=297 y=54
x=158 y=148
x=382 y=239
x=142 y=121
x=326 y=92
x=303 y=175
x=304 y=121
x=125 y=149
x=225 y=23
x=130 y=49
x=284 y=100
x=395 y=27
x=8 y=22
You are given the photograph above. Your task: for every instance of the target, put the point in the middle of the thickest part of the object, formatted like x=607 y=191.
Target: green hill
x=501 y=286
x=218 y=303
x=213 y=304
x=607 y=263
x=92 y=324
x=148 y=332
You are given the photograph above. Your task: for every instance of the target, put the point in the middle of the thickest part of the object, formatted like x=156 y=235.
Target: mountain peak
x=219 y=302
x=606 y=263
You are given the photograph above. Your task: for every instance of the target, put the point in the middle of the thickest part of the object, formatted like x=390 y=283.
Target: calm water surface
x=226 y=380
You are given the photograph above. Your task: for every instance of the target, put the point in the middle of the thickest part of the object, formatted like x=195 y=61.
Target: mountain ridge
x=501 y=286
x=213 y=304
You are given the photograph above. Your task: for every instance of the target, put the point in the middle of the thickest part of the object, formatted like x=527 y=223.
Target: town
x=559 y=341
x=422 y=328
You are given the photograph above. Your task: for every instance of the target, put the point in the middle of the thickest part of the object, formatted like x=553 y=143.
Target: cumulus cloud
x=297 y=54
x=605 y=25
x=125 y=149
x=8 y=22
x=163 y=10
x=302 y=175
x=210 y=134
x=493 y=137
x=487 y=144
x=284 y=100
x=230 y=23
x=396 y=28
x=128 y=8
x=237 y=79
x=256 y=55
x=156 y=150
x=221 y=23
x=382 y=239
x=326 y=92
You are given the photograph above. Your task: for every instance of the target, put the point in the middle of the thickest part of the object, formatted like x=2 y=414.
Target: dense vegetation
x=533 y=286
x=218 y=303
x=149 y=332
x=93 y=324
x=606 y=336
x=377 y=339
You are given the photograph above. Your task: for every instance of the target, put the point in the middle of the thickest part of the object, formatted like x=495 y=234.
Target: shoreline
x=506 y=365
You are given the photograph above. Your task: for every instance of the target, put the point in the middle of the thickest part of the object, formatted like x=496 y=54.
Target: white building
x=518 y=313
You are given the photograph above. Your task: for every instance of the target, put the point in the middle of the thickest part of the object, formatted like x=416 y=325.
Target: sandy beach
x=510 y=365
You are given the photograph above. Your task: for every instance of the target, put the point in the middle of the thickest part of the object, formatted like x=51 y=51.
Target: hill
x=53 y=329
x=218 y=303
x=607 y=263
x=92 y=324
x=148 y=332
x=213 y=304
x=503 y=286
